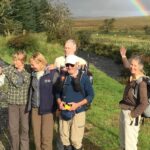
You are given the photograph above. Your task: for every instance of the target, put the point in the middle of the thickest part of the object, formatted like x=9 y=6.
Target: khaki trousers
x=17 y=115
x=128 y=132
x=42 y=130
x=72 y=131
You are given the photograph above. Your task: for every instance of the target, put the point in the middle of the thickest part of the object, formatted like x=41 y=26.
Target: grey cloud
x=95 y=8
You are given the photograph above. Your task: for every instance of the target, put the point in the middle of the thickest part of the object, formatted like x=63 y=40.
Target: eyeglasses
x=67 y=65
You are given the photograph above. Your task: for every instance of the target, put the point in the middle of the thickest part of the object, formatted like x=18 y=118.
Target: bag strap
x=135 y=91
x=68 y=78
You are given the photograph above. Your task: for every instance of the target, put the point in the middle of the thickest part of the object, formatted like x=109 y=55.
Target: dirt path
x=106 y=65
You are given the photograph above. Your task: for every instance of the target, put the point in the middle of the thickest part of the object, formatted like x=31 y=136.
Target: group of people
x=46 y=93
x=64 y=90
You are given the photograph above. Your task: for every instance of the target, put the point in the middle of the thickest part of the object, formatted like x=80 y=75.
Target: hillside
x=120 y=23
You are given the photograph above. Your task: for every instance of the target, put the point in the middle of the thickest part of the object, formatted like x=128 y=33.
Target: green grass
x=102 y=118
x=101 y=131
x=125 y=40
x=50 y=51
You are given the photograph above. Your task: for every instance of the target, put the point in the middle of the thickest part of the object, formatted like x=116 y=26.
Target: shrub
x=84 y=38
x=26 y=42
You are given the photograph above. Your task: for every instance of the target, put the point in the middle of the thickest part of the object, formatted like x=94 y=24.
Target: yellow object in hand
x=67 y=107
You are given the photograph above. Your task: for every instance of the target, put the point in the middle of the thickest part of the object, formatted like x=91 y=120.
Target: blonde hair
x=39 y=58
x=21 y=55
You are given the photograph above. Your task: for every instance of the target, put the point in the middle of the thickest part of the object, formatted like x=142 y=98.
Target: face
x=135 y=67
x=72 y=69
x=69 y=48
x=36 y=66
x=18 y=63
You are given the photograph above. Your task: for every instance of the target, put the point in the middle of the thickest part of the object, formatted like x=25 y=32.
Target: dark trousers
x=18 y=122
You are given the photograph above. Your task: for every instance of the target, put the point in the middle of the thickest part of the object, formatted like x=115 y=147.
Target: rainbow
x=142 y=9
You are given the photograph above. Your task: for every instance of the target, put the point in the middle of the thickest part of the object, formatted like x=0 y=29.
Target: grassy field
x=102 y=119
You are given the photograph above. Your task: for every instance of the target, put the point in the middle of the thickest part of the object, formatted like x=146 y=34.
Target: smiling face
x=70 y=48
x=18 y=63
x=135 y=67
x=72 y=69
x=18 y=59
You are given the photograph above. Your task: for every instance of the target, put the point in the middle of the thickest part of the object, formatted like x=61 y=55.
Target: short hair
x=39 y=58
x=21 y=55
x=73 y=43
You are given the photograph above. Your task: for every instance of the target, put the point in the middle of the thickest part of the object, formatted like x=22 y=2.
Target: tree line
x=21 y=16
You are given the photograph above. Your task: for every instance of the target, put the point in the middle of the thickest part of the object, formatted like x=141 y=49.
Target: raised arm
x=125 y=61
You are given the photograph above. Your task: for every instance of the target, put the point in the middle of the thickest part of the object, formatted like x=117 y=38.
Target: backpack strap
x=135 y=91
x=64 y=88
x=67 y=78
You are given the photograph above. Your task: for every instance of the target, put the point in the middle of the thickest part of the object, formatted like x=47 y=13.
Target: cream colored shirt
x=39 y=74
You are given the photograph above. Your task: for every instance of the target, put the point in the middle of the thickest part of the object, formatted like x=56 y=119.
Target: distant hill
x=120 y=23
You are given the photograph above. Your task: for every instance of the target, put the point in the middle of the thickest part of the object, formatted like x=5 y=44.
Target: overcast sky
x=98 y=8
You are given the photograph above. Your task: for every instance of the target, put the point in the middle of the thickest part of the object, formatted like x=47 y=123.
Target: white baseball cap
x=71 y=59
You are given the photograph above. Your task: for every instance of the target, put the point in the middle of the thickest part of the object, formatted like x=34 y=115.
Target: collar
x=46 y=71
x=136 y=77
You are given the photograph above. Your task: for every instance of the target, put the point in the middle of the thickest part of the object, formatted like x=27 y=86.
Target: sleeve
x=143 y=100
x=58 y=87
x=82 y=61
x=56 y=75
x=88 y=90
x=6 y=70
x=2 y=79
x=126 y=63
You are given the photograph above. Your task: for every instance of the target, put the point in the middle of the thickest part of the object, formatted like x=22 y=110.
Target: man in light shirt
x=69 y=49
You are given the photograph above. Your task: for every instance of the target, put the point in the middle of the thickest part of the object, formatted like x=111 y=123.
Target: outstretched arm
x=125 y=61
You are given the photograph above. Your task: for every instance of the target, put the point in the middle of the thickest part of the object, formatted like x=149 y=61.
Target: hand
x=74 y=106
x=61 y=105
x=123 y=51
x=63 y=69
x=50 y=67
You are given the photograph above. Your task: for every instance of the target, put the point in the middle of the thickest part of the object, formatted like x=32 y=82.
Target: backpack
x=146 y=113
x=85 y=69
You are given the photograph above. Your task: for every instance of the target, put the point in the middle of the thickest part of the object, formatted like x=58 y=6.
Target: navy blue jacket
x=44 y=89
x=68 y=94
